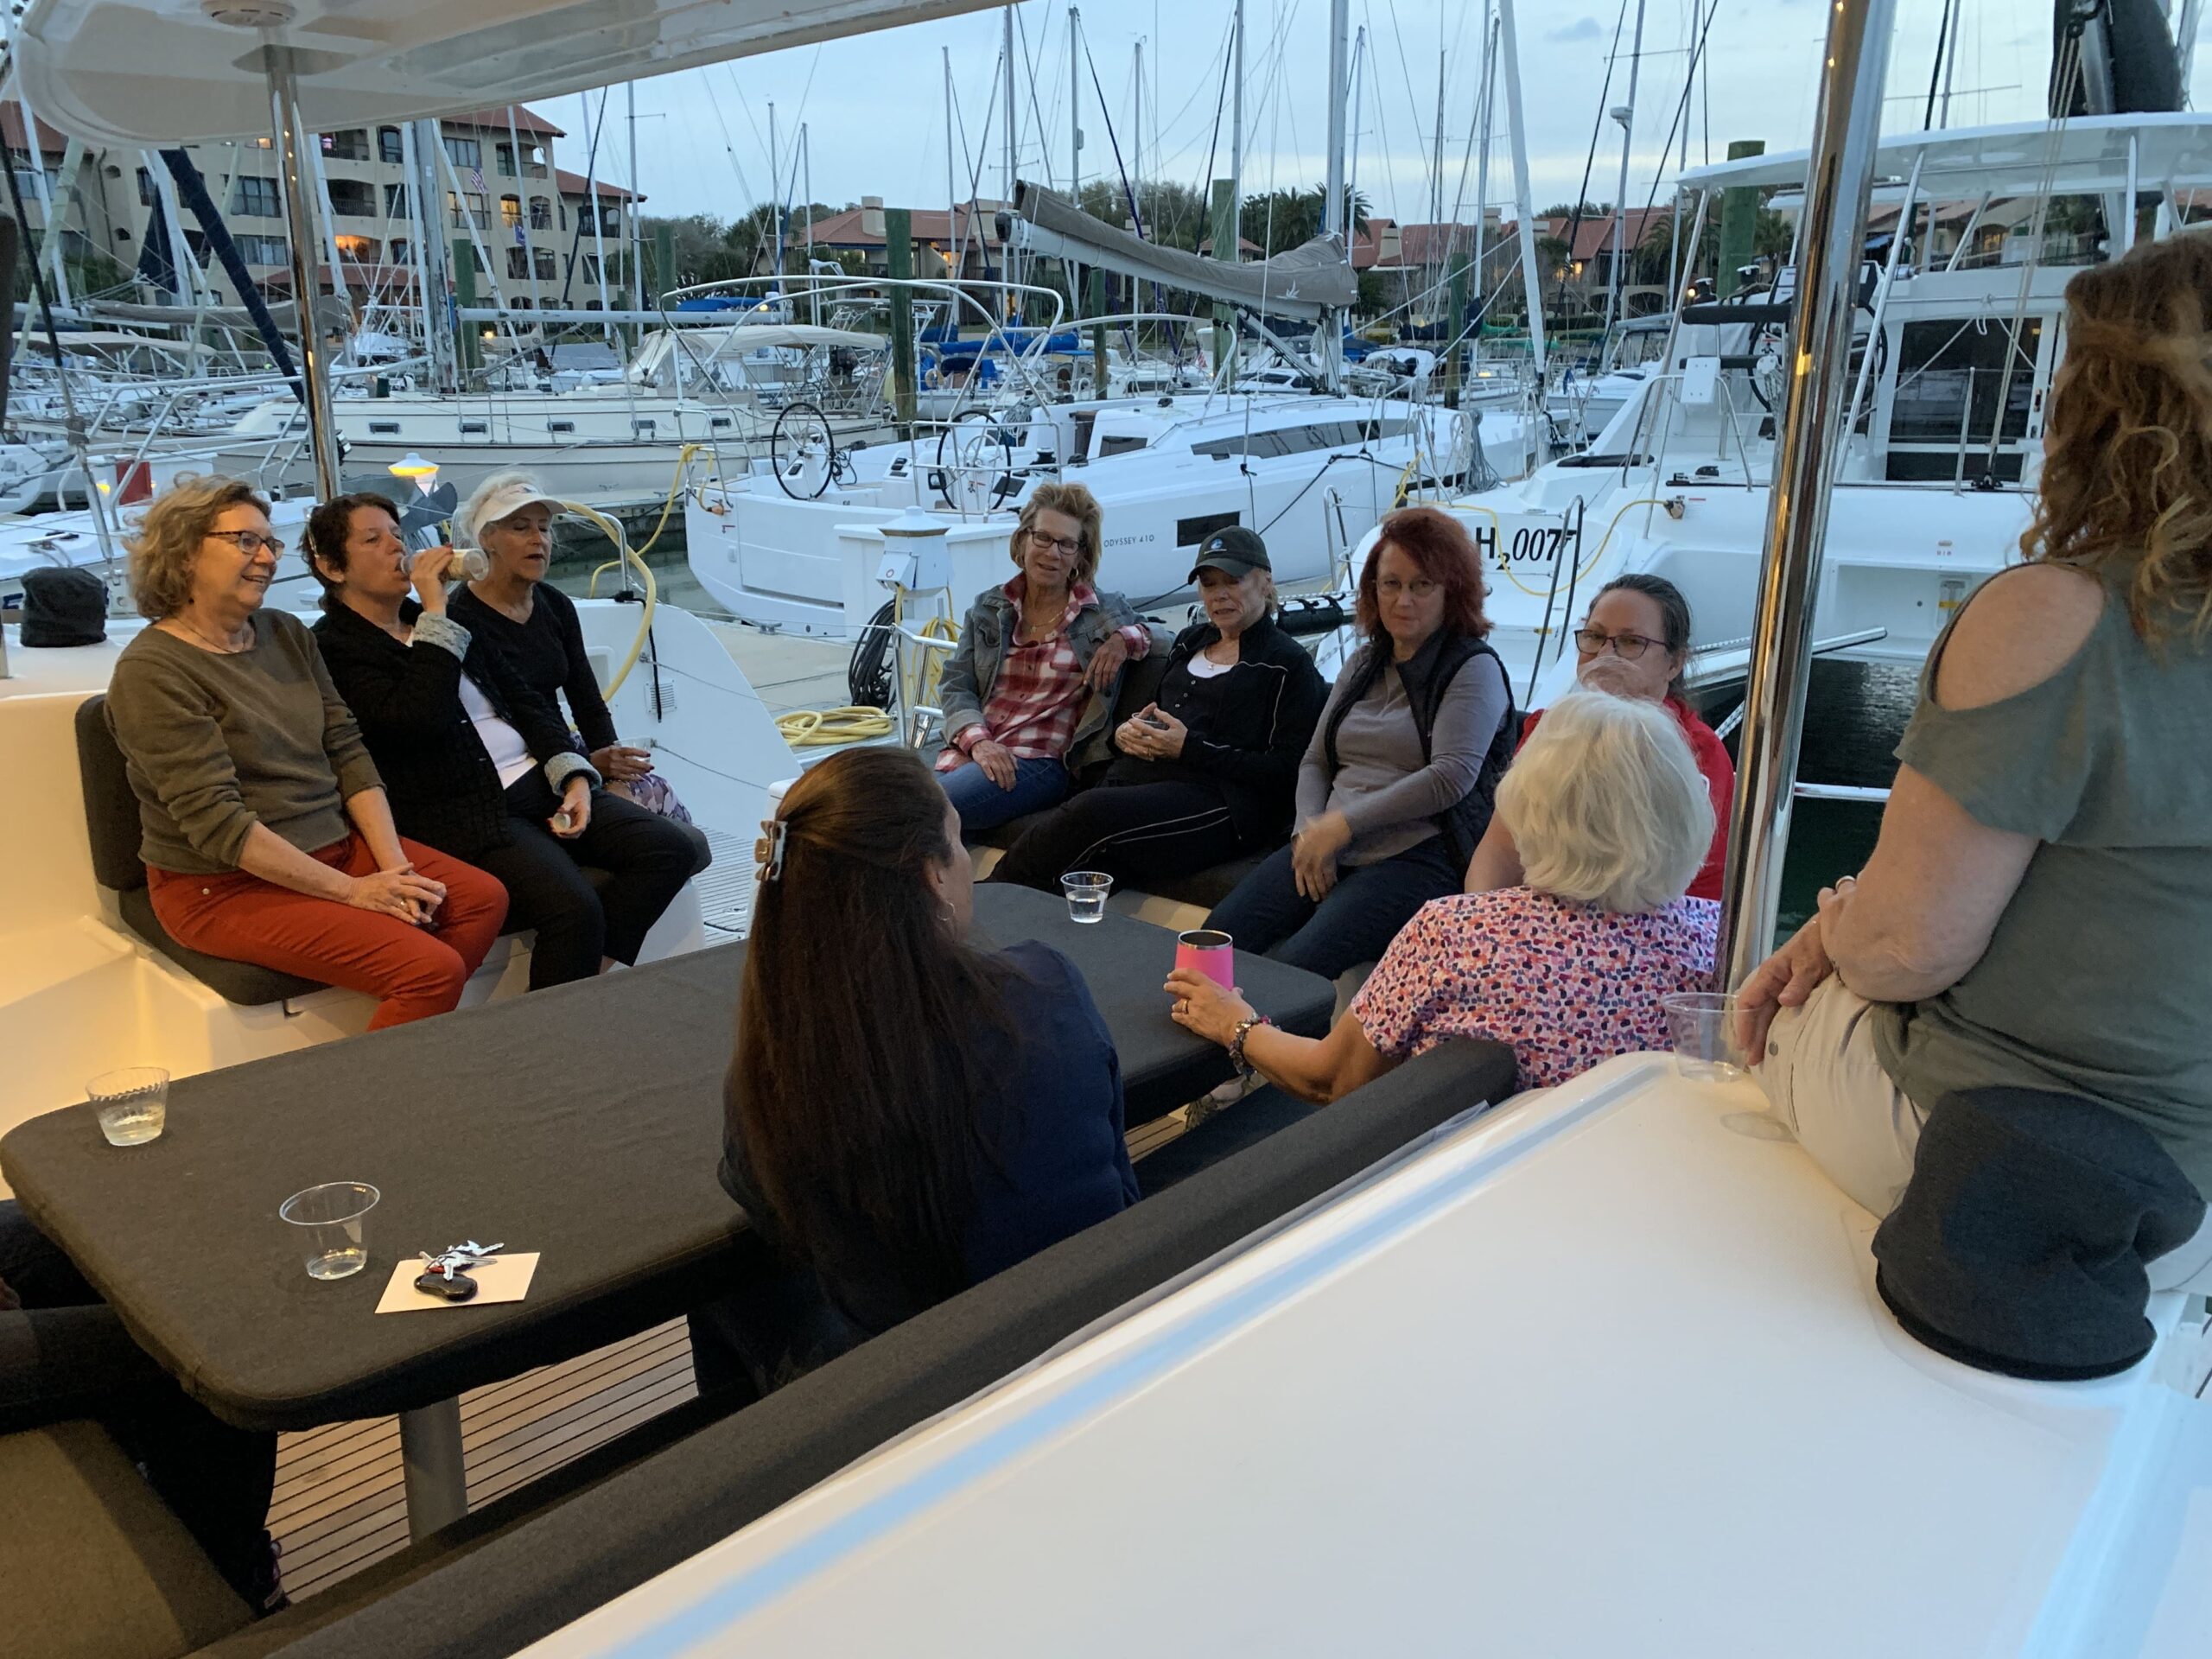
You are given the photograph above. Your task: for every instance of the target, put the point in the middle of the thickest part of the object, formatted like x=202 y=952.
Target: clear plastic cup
x=332 y=1222
x=1703 y=1025
x=133 y=1103
x=1086 y=891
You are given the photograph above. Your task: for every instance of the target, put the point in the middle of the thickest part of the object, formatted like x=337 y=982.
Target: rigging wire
x=1597 y=131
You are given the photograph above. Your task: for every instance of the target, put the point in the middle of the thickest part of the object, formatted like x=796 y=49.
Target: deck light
x=411 y=465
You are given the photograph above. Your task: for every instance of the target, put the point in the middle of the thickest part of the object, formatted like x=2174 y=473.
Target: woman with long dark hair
x=908 y=1114
x=1396 y=789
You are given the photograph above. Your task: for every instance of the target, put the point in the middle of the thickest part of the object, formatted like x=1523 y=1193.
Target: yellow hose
x=667 y=506
x=825 y=728
x=613 y=533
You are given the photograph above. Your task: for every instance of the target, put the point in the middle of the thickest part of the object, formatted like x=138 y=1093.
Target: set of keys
x=447 y=1273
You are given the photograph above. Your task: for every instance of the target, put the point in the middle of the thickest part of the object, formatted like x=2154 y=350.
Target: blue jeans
x=1354 y=924
x=1037 y=784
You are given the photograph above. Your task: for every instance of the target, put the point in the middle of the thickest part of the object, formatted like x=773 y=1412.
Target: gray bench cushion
x=94 y=1566
x=111 y=822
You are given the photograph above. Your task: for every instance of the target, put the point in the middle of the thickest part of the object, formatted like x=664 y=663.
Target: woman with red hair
x=1397 y=787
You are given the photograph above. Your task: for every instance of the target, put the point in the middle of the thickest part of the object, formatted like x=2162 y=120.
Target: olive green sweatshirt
x=217 y=743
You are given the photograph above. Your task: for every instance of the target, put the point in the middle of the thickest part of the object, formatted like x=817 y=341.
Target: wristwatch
x=1244 y=1028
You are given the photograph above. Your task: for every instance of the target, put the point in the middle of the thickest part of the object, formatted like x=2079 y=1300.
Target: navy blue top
x=1053 y=1119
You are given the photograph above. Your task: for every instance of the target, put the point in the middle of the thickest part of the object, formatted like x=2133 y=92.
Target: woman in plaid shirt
x=1030 y=688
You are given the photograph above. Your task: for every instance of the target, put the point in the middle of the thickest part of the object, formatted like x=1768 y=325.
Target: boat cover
x=134 y=73
x=1303 y=283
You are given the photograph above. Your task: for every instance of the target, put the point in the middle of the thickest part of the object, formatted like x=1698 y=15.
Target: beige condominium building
x=534 y=235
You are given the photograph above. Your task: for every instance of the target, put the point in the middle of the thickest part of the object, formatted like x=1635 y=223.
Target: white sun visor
x=133 y=72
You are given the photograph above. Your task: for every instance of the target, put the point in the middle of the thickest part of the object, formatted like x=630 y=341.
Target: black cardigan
x=1248 y=747
x=546 y=653
x=445 y=791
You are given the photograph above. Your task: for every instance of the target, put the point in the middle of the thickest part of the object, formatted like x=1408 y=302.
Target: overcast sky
x=874 y=106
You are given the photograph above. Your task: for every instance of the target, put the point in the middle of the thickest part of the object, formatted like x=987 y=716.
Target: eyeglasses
x=251 y=542
x=1420 y=587
x=1626 y=646
x=1045 y=543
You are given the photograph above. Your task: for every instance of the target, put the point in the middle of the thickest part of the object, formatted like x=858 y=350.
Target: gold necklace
x=217 y=645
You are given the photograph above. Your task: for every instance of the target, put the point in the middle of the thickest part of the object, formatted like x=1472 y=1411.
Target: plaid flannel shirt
x=1037 y=699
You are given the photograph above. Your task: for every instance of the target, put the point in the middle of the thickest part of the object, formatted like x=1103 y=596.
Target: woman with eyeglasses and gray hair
x=1633 y=642
x=1028 y=692
x=266 y=833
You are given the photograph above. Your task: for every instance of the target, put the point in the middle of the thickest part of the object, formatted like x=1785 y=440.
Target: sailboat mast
x=1007 y=194
x=806 y=164
x=1808 y=441
x=1531 y=283
x=1626 y=114
x=1236 y=124
x=637 y=231
x=1075 y=152
x=1332 y=201
x=1488 y=103
x=775 y=198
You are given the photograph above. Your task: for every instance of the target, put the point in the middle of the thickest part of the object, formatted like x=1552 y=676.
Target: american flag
x=476 y=177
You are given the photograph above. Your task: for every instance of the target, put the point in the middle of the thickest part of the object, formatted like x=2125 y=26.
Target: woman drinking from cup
x=1029 y=689
x=907 y=1114
x=268 y=837
x=1396 y=788
x=1633 y=642
x=478 y=764
x=1205 y=770
x=1568 y=969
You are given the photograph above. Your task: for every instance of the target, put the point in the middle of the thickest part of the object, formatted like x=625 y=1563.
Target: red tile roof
x=50 y=142
x=844 y=229
x=1594 y=235
x=572 y=184
x=496 y=121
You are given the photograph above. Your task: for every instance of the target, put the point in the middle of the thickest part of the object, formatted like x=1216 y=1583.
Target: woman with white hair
x=514 y=612
x=1612 y=819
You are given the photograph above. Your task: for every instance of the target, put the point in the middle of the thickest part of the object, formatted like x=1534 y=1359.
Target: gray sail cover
x=1303 y=283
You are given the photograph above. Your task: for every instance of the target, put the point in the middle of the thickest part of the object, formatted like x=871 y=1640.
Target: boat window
x=384 y=428
x=475 y=429
x=1189 y=533
x=559 y=426
x=1118 y=446
x=1951 y=374
x=717 y=422
x=1943 y=466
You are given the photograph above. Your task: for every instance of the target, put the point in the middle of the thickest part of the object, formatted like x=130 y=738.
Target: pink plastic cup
x=1208 y=951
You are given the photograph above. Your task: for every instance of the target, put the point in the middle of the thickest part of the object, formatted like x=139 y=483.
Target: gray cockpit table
x=584 y=1123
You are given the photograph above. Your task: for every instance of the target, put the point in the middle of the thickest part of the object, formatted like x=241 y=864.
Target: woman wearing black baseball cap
x=1206 y=771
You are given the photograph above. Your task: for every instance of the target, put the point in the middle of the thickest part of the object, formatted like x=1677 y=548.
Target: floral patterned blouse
x=1564 y=984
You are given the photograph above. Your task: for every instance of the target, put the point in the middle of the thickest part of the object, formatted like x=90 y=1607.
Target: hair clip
x=768 y=851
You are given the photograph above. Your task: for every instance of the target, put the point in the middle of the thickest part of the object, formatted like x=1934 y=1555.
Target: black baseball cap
x=1236 y=550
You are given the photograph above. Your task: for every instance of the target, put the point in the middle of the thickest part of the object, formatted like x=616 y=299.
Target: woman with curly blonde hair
x=2036 y=911
x=264 y=828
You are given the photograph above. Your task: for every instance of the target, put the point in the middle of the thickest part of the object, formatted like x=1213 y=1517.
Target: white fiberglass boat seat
x=81 y=991
x=1603 y=1373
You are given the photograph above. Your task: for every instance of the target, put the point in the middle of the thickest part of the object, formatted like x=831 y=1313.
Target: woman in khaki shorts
x=2037 y=908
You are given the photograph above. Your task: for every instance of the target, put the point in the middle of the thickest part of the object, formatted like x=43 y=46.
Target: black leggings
x=1132 y=831
x=648 y=858
x=65 y=1354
